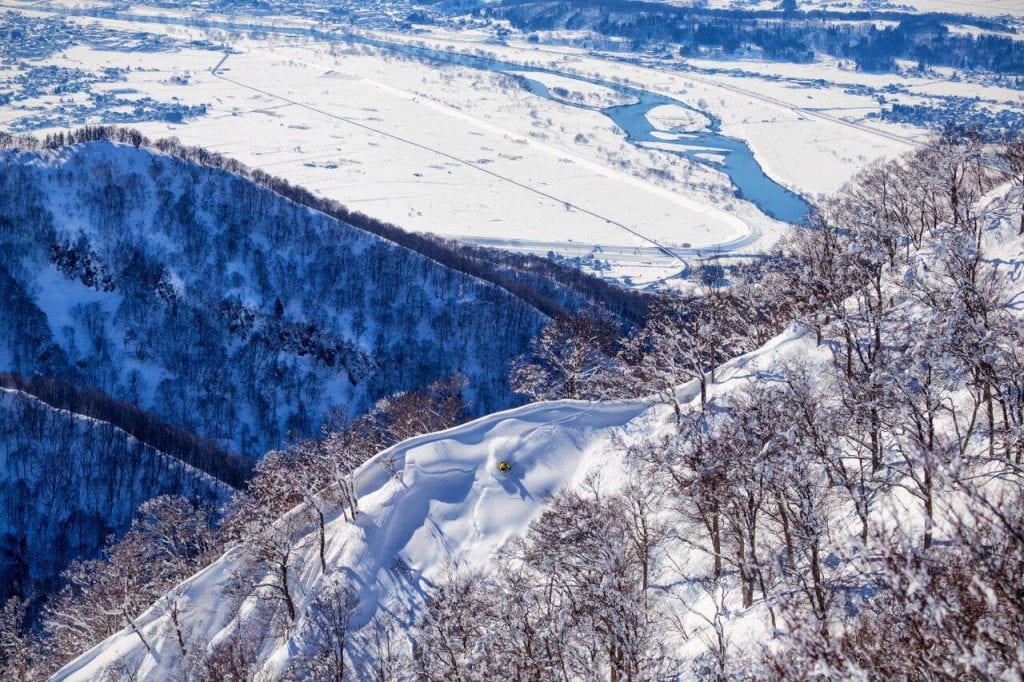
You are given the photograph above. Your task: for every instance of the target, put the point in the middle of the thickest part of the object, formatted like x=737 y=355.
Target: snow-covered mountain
x=785 y=433
x=446 y=508
x=67 y=482
x=221 y=306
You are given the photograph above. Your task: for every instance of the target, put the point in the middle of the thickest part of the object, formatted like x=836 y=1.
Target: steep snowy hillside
x=67 y=482
x=447 y=508
x=825 y=479
x=224 y=308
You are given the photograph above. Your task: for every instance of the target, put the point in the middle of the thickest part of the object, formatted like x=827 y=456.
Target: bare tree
x=691 y=471
x=682 y=341
x=327 y=627
x=18 y=645
x=1012 y=157
x=572 y=358
x=272 y=551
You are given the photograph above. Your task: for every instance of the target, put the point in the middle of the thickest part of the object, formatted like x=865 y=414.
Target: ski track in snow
x=445 y=508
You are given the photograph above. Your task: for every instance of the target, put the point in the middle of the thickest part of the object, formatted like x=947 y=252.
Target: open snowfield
x=809 y=151
x=473 y=154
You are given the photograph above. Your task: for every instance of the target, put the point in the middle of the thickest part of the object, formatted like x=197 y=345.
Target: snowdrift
x=446 y=506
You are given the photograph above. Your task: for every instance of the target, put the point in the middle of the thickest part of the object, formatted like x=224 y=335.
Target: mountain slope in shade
x=224 y=308
x=67 y=482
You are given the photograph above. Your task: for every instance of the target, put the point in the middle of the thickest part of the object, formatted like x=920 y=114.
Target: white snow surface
x=445 y=509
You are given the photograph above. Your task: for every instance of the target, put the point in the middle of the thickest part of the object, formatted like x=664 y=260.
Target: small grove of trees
x=568 y=602
x=571 y=358
x=303 y=485
x=954 y=614
x=586 y=356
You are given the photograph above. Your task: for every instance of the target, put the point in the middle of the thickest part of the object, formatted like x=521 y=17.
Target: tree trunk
x=876 y=444
x=323 y=541
x=928 y=520
x=746 y=579
x=716 y=544
x=287 y=593
x=819 y=590
x=790 y=554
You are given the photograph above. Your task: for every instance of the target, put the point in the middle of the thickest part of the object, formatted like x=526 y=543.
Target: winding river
x=729 y=155
x=726 y=154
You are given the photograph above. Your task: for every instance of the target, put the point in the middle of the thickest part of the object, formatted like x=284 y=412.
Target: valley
x=433 y=134
x=511 y=339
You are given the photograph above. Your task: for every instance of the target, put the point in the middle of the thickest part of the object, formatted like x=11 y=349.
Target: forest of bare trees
x=869 y=505
x=551 y=287
x=858 y=505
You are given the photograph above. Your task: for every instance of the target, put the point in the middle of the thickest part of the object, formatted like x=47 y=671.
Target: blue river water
x=727 y=154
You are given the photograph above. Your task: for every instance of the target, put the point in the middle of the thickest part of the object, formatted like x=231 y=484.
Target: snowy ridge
x=67 y=481
x=224 y=490
x=446 y=508
x=172 y=286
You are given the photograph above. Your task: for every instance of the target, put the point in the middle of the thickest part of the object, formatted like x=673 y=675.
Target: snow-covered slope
x=446 y=508
x=223 y=307
x=437 y=503
x=67 y=482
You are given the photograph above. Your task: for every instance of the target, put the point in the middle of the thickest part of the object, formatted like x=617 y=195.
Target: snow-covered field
x=468 y=153
x=472 y=154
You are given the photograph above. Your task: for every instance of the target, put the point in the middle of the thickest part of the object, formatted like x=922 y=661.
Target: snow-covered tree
x=571 y=358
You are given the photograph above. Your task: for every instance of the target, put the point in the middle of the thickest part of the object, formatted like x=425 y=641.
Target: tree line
x=146 y=427
x=860 y=501
x=787 y=35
